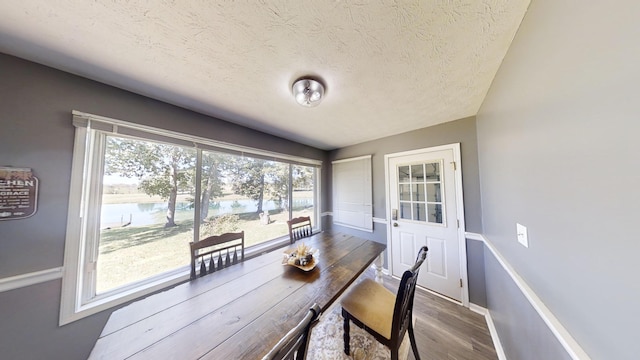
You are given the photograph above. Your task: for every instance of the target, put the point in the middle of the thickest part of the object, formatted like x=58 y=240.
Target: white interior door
x=423 y=211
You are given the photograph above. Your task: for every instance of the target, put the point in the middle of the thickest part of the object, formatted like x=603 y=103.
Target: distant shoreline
x=142 y=198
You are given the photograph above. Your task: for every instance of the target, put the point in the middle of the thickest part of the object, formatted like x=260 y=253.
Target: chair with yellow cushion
x=383 y=314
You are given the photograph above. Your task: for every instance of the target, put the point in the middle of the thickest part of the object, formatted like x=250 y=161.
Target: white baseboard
x=492 y=329
x=559 y=331
x=37 y=277
x=478 y=309
x=494 y=336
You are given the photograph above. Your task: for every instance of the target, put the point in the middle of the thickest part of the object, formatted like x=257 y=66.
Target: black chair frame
x=402 y=313
x=294 y=344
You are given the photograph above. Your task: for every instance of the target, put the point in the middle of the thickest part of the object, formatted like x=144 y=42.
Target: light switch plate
x=521 y=232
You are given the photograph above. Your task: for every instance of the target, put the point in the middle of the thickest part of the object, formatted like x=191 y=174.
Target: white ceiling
x=388 y=66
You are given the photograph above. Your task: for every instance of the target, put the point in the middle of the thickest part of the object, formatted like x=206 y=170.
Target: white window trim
x=74 y=304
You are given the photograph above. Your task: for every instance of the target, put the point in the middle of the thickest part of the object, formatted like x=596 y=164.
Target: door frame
x=455 y=147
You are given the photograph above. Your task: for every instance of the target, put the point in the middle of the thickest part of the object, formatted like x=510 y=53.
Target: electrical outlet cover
x=521 y=232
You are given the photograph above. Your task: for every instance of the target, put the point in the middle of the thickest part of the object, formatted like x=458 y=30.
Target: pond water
x=141 y=214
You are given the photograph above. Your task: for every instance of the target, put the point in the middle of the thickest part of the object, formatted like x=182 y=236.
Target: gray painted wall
x=522 y=333
x=476 y=273
x=35 y=118
x=558 y=152
x=379 y=233
x=29 y=327
x=461 y=131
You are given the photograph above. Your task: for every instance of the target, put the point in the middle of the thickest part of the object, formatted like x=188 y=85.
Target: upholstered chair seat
x=372 y=304
x=381 y=313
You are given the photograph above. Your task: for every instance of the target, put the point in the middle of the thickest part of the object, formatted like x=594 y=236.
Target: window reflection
x=403 y=174
x=417 y=173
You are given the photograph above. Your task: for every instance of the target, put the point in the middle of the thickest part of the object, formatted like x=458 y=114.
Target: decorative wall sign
x=18 y=193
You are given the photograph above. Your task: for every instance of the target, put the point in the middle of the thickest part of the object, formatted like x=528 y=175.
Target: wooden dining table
x=239 y=312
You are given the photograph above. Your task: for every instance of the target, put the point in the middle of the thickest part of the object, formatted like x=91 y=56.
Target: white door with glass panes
x=423 y=211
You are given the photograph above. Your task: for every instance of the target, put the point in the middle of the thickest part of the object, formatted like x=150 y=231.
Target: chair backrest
x=403 y=309
x=216 y=252
x=299 y=228
x=295 y=342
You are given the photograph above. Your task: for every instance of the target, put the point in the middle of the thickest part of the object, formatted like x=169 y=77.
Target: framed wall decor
x=18 y=193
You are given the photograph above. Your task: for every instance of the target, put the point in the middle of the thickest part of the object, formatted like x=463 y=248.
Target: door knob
x=395 y=224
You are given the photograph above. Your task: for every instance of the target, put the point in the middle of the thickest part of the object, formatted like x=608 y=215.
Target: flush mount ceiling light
x=308 y=92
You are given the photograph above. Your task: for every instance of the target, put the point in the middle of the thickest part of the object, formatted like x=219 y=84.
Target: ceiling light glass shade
x=308 y=92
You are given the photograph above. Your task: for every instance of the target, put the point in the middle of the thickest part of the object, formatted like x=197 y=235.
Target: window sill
x=265 y=247
x=111 y=300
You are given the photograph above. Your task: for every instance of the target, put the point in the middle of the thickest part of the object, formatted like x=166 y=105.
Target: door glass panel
x=419 y=212
x=417 y=173
x=405 y=210
x=405 y=194
x=433 y=171
x=403 y=174
x=433 y=193
x=435 y=213
x=418 y=192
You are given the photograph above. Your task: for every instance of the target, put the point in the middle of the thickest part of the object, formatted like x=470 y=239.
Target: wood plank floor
x=444 y=330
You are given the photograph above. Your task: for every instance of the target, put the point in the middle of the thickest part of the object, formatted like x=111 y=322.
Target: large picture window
x=140 y=195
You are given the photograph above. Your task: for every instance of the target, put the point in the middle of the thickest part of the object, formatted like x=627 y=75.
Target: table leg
x=379 y=261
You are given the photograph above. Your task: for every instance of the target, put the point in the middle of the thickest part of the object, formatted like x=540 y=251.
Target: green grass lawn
x=134 y=253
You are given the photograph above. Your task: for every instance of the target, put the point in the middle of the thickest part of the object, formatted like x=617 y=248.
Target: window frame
x=78 y=298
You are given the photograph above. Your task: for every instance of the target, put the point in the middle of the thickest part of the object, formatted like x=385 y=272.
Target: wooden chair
x=218 y=252
x=299 y=228
x=383 y=314
x=294 y=343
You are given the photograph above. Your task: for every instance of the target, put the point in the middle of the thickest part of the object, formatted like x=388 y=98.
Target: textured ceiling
x=388 y=66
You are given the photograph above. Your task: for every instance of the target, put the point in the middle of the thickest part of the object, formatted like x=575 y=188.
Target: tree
x=302 y=180
x=162 y=169
x=278 y=184
x=213 y=164
x=302 y=177
x=257 y=179
x=248 y=178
